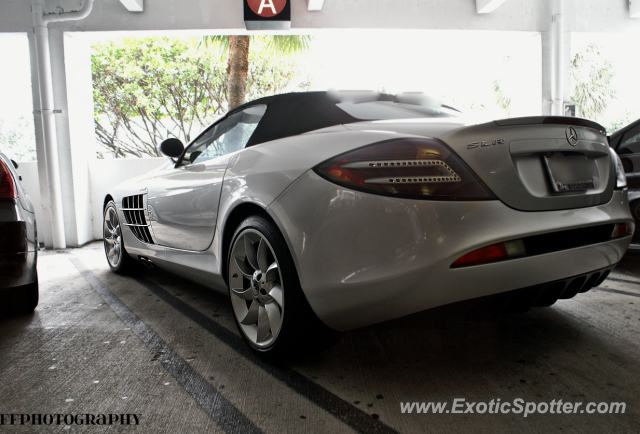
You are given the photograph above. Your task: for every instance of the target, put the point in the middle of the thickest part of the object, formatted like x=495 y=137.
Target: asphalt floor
x=167 y=350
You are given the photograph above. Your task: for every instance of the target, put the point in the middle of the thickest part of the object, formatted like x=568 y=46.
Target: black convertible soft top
x=291 y=114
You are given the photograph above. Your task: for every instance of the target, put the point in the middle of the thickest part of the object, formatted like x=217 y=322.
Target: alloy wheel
x=256 y=288
x=112 y=237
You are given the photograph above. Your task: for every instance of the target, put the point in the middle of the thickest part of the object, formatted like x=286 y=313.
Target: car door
x=629 y=151
x=626 y=142
x=183 y=201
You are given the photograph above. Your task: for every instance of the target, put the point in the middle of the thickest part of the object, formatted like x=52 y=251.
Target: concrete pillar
x=73 y=96
x=82 y=143
x=72 y=89
x=56 y=45
x=44 y=225
x=556 y=62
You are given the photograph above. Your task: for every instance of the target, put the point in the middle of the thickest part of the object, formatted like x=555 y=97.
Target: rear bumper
x=18 y=246
x=364 y=259
x=17 y=269
x=546 y=294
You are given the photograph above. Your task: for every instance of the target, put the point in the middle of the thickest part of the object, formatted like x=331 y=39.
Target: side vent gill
x=134 y=208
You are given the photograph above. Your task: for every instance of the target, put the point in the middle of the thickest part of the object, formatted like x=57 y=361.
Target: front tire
x=119 y=260
x=271 y=312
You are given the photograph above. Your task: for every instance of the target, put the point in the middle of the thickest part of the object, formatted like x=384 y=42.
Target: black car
x=18 y=243
x=626 y=142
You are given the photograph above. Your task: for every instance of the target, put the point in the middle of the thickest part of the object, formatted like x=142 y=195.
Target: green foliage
x=278 y=46
x=502 y=95
x=622 y=120
x=502 y=99
x=288 y=44
x=268 y=76
x=591 y=76
x=148 y=89
x=283 y=45
x=218 y=44
x=17 y=139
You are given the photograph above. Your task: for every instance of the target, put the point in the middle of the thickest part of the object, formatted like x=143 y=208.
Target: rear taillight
x=541 y=244
x=621 y=177
x=493 y=253
x=7 y=185
x=622 y=230
x=410 y=168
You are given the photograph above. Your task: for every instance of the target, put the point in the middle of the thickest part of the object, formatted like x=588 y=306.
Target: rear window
x=388 y=110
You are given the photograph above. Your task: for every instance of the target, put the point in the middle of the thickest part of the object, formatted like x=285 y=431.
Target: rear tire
x=117 y=257
x=19 y=300
x=32 y=295
x=270 y=309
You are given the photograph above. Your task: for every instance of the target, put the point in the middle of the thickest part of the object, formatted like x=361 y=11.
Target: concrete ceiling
x=596 y=16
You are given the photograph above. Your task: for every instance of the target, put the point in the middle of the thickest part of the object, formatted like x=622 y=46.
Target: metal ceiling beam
x=133 y=5
x=315 y=5
x=488 y=6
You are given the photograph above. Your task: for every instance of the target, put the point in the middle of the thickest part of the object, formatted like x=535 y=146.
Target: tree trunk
x=238 y=69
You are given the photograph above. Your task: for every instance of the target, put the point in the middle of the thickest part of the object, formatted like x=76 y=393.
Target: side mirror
x=172 y=147
x=14 y=164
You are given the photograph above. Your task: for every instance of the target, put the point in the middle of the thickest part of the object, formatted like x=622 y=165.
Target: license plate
x=570 y=172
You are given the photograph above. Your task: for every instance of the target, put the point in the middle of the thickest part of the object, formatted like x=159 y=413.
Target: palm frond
x=503 y=100
x=288 y=44
x=277 y=44
x=219 y=43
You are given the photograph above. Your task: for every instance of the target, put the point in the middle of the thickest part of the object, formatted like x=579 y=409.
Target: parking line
x=617 y=291
x=356 y=419
x=223 y=413
x=615 y=279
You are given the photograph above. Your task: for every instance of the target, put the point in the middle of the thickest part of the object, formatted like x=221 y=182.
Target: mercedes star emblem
x=572 y=136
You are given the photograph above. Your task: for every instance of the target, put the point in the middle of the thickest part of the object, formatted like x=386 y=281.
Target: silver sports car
x=319 y=213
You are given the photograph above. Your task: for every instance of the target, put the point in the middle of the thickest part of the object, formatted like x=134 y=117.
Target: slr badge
x=484 y=143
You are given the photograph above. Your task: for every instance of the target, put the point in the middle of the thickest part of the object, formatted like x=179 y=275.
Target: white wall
x=103 y=174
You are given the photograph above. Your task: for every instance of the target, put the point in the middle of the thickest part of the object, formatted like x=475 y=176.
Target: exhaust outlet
x=146 y=261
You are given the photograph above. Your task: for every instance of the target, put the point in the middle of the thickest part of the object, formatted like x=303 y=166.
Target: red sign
x=267 y=8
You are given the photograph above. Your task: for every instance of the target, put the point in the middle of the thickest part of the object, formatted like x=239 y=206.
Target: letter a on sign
x=267 y=4
x=267 y=8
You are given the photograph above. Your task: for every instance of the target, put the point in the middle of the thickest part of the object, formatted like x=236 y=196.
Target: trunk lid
x=535 y=166
x=530 y=164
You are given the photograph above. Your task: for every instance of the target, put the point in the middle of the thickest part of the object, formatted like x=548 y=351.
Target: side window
x=230 y=135
x=630 y=142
